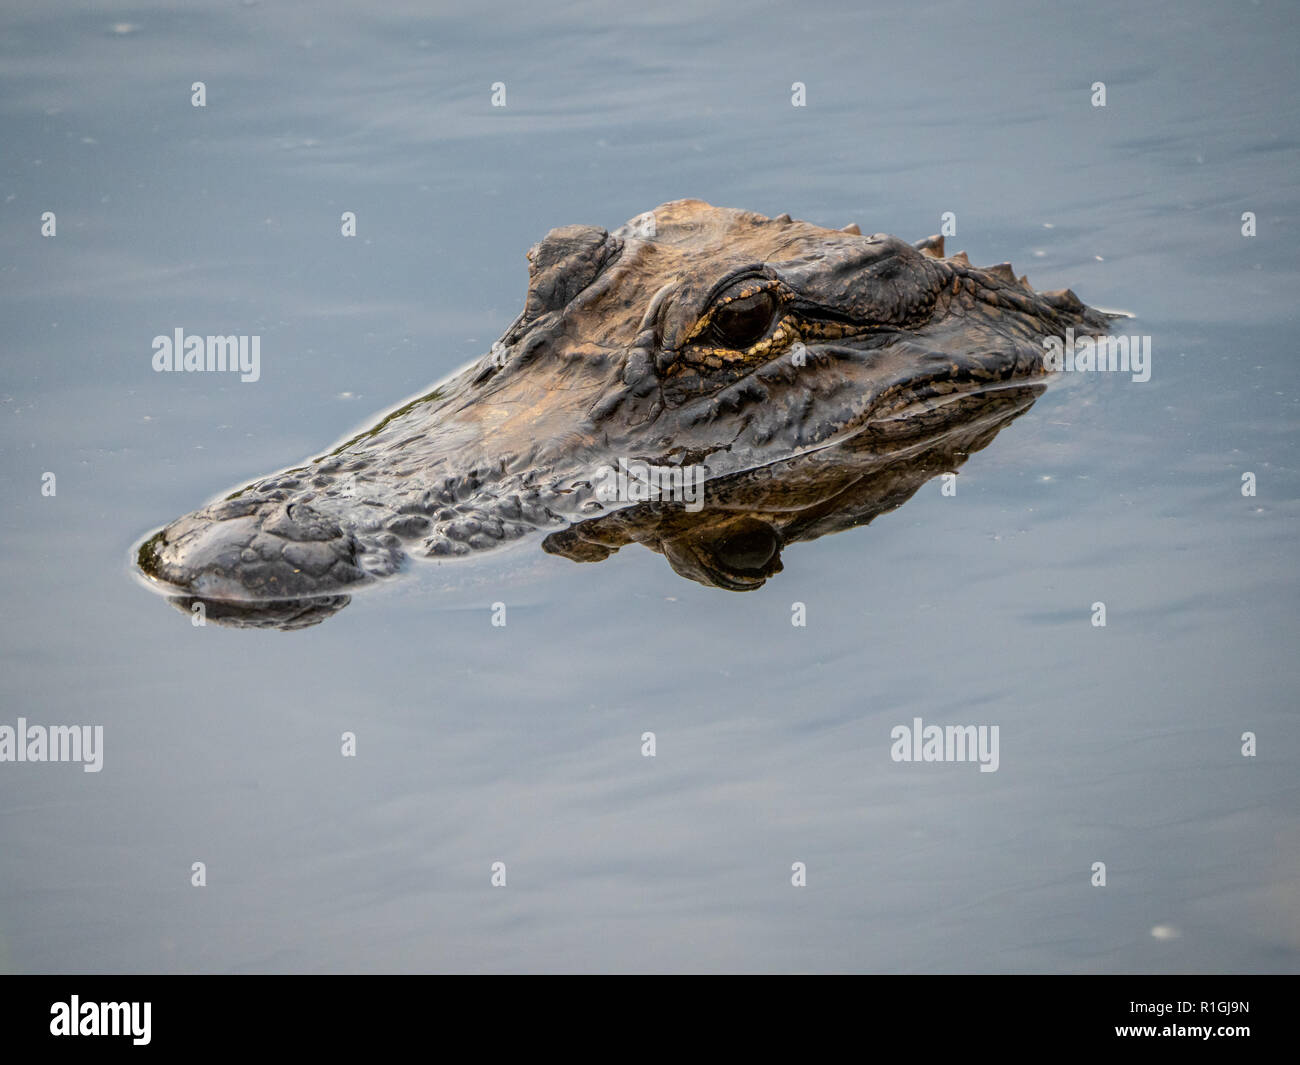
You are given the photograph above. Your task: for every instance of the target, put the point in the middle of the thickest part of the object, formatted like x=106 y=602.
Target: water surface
x=522 y=744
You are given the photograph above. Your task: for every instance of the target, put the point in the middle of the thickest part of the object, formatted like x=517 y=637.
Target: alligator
x=811 y=378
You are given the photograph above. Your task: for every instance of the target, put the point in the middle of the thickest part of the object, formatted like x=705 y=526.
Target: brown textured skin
x=618 y=353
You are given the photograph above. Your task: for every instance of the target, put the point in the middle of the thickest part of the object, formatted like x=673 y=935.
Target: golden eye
x=742 y=322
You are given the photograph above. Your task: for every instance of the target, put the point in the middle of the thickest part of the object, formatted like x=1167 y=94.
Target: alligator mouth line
x=922 y=409
x=924 y=398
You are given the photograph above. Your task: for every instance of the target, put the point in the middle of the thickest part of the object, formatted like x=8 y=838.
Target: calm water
x=521 y=744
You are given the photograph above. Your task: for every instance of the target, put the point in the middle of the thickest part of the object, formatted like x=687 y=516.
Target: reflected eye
x=744 y=321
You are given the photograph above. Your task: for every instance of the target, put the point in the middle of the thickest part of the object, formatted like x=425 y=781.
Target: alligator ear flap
x=563 y=264
x=931 y=246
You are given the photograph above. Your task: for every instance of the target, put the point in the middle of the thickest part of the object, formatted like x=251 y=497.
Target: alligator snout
x=254 y=549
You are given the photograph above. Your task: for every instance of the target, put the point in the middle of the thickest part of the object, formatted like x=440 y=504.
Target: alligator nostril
x=240 y=507
x=298 y=521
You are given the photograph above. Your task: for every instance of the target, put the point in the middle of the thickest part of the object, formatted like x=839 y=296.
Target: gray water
x=522 y=744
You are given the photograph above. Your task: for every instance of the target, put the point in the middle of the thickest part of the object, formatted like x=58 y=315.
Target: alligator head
x=711 y=342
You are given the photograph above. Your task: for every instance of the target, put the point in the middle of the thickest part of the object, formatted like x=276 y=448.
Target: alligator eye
x=742 y=322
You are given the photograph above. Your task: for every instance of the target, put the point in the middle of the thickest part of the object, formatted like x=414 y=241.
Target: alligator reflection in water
x=819 y=376
x=735 y=540
x=285 y=614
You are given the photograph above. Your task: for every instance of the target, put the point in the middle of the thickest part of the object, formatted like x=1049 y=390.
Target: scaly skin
x=693 y=334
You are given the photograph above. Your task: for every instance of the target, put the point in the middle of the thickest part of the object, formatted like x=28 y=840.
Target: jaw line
x=913 y=403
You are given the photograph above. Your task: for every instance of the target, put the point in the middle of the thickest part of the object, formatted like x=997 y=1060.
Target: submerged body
x=693 y=336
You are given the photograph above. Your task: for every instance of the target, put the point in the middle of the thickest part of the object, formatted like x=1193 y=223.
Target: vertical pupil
x=744 y=321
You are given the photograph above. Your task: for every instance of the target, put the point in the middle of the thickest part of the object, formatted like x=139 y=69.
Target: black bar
x=367 y=1013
